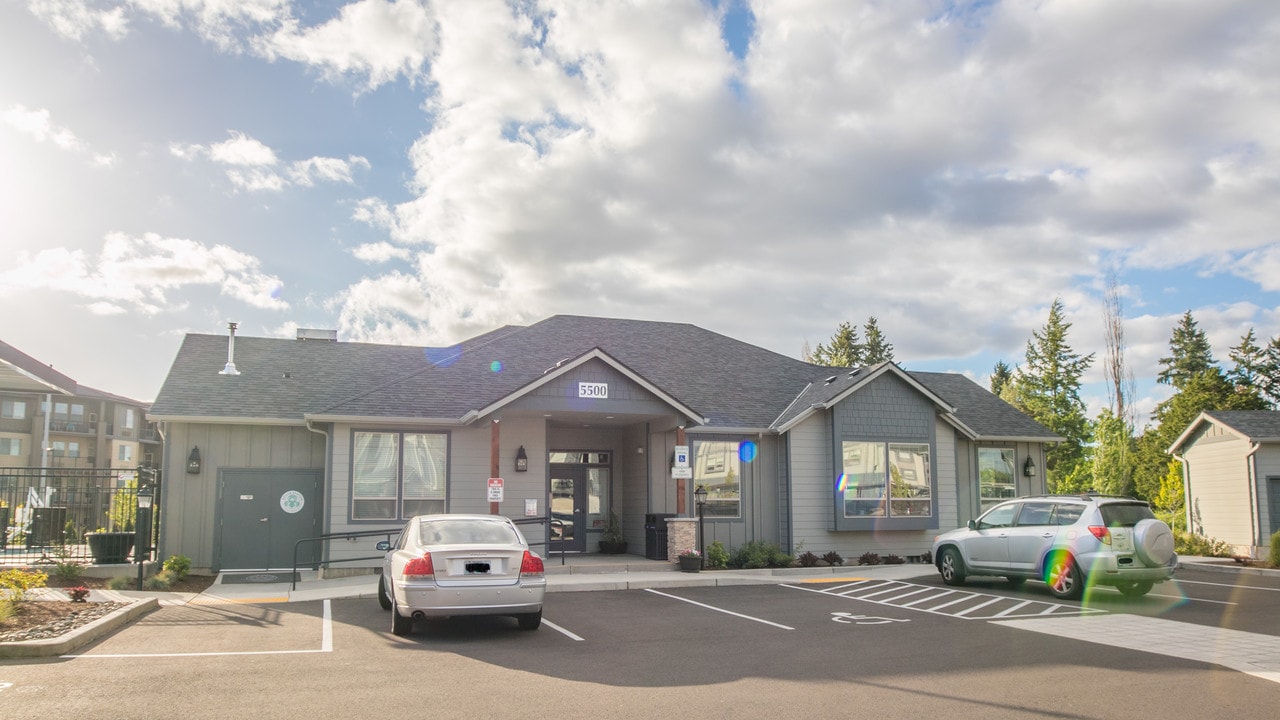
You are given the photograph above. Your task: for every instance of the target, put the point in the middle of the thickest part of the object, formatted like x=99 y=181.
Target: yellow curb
x=205 y=599
x=831 y=580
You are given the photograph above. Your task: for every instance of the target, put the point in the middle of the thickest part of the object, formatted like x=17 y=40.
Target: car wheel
x=1016 y=582
x=951 y=567
x=1135 y=589
x=1153 y=542
x=400 y=625
x=1063 y=577
x=530 y=621
x=383 y=599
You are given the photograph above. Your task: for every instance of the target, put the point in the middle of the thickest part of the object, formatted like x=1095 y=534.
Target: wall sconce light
x=522 y=460
x=1029 y=467
x=193 y=460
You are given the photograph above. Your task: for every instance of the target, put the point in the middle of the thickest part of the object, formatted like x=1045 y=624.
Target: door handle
x=262 y=519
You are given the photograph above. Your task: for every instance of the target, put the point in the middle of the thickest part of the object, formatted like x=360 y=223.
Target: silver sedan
x=445 y=565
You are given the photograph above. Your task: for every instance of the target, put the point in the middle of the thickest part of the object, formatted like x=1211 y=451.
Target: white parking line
x=720 y=610
x=326 y=645
x=561 y=630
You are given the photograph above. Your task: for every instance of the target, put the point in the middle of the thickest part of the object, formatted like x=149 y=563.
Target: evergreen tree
x=1047 y=388
x=1249 y=370
x=1191 y=354
x=875 y=349
x=1114 y=456
x=844 y=350
x=1270 y=381
x=1001 y=376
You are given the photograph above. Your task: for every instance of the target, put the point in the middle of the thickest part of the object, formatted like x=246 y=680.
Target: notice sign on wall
x=593 y=390
x=495 y=489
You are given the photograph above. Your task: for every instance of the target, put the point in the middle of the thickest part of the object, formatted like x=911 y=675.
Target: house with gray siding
x=1231 y=477
x=270 y=440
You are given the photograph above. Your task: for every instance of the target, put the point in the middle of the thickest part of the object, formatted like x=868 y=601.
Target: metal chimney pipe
x=230 y=369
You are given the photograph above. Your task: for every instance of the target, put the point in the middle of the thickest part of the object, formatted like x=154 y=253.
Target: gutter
x=1186 y=490
x=1251 y=465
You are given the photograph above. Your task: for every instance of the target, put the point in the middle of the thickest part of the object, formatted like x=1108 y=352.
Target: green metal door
x=262 y=515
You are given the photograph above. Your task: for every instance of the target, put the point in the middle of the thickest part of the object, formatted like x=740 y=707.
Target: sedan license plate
x=477 y=567
x=1121 y=542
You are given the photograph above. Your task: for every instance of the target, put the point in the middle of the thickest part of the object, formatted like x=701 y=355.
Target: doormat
x=262 y=577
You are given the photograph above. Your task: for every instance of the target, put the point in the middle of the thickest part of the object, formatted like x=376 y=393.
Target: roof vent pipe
x=230 y=369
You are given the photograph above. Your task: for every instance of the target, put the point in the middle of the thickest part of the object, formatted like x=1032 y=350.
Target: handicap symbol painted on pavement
x=851 y=619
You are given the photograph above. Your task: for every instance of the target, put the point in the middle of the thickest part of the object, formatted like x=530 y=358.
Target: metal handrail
x=546 y=533
x=336 y=536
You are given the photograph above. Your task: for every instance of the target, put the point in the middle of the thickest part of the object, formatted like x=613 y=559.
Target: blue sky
x=420 y=172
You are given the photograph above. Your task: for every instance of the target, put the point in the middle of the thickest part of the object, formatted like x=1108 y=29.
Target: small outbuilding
x=1231 y=477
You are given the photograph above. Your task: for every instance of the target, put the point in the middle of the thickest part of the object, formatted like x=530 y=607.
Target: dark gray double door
x=261 y=516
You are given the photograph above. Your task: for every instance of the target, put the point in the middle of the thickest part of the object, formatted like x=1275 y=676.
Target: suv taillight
x=1102 y=533
x=531 y=564
x=418 y=567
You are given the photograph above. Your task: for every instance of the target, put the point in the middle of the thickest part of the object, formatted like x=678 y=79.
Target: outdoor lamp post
x=142 y=530
x=700 y=499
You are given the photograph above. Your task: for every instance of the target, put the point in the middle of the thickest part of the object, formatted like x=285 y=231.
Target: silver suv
x=1068 y=541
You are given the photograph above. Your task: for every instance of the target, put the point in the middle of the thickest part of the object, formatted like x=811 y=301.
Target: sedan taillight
x=419 y=567
x=1102 y=533
x=531 y=564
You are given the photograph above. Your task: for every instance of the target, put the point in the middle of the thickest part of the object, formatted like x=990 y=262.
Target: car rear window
x=1125 y=514
x=470 y=531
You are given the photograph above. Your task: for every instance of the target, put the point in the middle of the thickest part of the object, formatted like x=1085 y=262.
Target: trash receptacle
x=655 y=535
x=46 y=526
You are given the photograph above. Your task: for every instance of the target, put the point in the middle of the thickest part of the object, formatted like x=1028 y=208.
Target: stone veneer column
x=682 y=534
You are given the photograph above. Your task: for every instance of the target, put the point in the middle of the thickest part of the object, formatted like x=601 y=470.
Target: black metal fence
x=47 y=515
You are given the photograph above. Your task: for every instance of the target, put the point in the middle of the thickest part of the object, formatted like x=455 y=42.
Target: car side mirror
x=383 y=545
x=973 y=524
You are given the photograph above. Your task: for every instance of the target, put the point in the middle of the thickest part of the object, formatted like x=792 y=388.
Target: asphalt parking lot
x=908 y=647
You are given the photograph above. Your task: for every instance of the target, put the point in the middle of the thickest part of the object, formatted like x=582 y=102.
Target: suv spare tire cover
x=1153 y=542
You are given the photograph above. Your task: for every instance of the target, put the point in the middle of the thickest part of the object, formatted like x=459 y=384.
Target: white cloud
x=376 y=39
x=139 y=274
x=251 y=164
x=39 y=126
x=380 y=252
x=75 y=19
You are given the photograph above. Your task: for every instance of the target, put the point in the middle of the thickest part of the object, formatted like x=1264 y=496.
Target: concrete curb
x=1234 y=568
x=81 y=636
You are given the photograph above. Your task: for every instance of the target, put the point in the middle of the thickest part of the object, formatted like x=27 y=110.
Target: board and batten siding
x=191 y=500
x=1219 y=501
x=812 y=497
x=1268 y=458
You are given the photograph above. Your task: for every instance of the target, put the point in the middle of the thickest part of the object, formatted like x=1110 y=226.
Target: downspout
x=1251 y=462
x=164 y=497
x=1186 y=491
x=328 y=480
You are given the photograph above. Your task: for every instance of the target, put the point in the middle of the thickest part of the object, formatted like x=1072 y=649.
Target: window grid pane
x=716 y=467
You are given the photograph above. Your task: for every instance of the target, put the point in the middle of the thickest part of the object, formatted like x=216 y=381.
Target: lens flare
x=495 y=366
x=442 y=356
x=747 y=451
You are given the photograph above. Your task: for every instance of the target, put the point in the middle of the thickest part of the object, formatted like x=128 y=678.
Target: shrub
x=178 y=565
x=807 y=559
x=122 y=582
x=14 y=584
x=1199 y=545
x=759 y=554
x=6 y=610
x=67 y=570
x=717 y=556
x=869 y=558
x=78 y=594
x=833 y=558
x=1275 y=549
x=892 y=559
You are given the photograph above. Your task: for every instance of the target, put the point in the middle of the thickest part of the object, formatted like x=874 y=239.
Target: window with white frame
x=128 y=417
x=886 y=480
x=717 y=468
x=13 y=409
x=125 y=453
x=996 y=477
x=10 y=446
x=397 y=475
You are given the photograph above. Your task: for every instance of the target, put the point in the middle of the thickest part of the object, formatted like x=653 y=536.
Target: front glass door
x=568 y=508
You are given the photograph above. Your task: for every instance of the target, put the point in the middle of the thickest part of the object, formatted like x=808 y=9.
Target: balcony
x=78 y=426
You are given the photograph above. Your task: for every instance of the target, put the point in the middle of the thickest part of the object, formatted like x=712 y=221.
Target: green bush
x=6 y=610
x=122 y=582
x=1199 y=545
x=14 y=584
x=1275 y=549
x=759 y=554
x=67 y=570
x=178 y=566
x=717 y=556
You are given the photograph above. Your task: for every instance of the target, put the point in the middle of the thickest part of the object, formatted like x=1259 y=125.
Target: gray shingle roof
x=732 y=383
x=1253 y=424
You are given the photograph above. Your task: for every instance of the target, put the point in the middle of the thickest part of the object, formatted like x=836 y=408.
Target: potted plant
x=611 y=541
x=690 y=560
x=109 y=548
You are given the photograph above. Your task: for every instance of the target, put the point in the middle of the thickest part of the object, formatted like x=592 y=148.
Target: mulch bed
x=40 y=619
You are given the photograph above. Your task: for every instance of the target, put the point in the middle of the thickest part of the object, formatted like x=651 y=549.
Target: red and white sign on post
x=495 y=489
